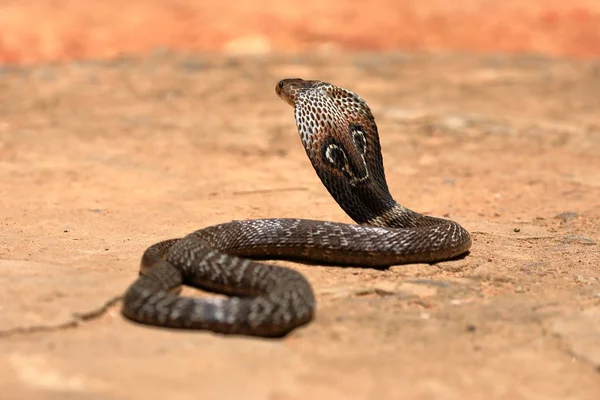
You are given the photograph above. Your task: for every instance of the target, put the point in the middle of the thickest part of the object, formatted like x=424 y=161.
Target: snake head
x=290 y=90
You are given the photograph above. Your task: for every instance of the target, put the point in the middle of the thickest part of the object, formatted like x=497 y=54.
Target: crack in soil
x=77 y=320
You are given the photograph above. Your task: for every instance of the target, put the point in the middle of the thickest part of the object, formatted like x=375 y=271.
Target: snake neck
x=371 y=204
x=365 y=204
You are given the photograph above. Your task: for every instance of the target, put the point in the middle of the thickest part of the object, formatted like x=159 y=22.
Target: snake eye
x=335 y=156
x=358 y=136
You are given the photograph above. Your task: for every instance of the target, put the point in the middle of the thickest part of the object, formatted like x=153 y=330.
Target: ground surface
x=101 y=159
x=46 y=30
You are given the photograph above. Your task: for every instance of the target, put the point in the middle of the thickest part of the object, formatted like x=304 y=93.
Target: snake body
x=340 y=137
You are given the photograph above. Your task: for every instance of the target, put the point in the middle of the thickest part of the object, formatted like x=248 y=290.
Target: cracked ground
x=101 y=159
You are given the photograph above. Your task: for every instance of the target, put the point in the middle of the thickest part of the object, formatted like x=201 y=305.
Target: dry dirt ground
x=48 y=30
x=101 y=159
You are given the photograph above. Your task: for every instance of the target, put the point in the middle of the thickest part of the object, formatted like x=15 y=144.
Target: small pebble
x=517 y=230
x=471 y=328
x=566 y=216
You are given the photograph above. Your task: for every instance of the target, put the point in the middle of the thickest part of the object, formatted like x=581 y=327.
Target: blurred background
x=34 y=31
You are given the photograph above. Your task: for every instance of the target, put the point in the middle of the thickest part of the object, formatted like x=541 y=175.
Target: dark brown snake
x=341 y=140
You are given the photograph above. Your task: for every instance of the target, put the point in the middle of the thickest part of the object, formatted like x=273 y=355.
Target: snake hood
x=340 y=137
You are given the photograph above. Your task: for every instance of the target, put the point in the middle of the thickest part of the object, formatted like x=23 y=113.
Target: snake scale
x=340 y=137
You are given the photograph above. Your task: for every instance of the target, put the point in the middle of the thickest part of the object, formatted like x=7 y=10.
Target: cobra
x=341 y=140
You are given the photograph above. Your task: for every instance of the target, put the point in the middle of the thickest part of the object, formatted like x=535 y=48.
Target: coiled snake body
x=341 y=140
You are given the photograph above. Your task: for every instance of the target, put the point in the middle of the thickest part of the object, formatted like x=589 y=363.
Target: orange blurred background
x=33 y=31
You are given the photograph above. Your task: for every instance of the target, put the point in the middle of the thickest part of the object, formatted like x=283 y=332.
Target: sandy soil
x=101 y=159
x=47 y=30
